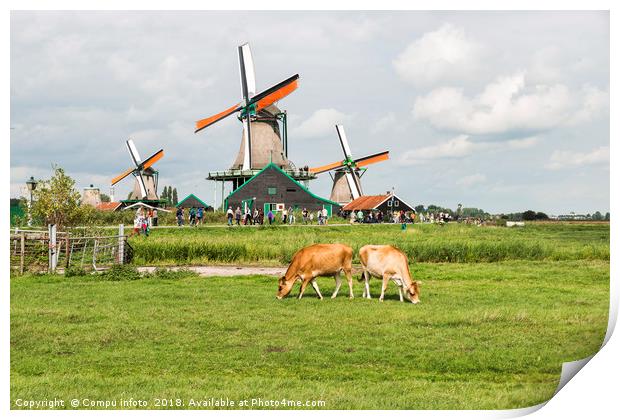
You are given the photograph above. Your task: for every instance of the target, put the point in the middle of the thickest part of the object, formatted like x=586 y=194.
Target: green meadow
x=491 y=332
x=275 y=245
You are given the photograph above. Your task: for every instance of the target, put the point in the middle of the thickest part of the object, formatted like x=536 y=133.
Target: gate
x=39 y=251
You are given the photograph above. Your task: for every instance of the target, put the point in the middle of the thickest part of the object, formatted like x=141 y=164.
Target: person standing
x=200 y=215
x=229 y=215
x=192 y=216
x=154 y=217
x=325 y=216
x=179 y=216
x=291 y=216
x=238 y=216
x=255 y=218
x=270 y=217
x=304 y=215
x=284 y=215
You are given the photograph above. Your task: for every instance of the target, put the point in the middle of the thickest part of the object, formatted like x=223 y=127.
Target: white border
x=592 y=393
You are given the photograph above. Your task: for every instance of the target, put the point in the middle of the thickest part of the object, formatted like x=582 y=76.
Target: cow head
x=284 y=287
x=413 y=292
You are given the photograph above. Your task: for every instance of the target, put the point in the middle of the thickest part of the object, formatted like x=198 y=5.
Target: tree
x=607 y=216
x=105 y=198
x=165 y=195
x=175 y=197
x=541 y=216
x=529 y=215
x=597 y=216
x=56 y=201
x=419 y=208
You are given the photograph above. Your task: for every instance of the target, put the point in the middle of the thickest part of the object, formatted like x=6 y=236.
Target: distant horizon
x=504 y=110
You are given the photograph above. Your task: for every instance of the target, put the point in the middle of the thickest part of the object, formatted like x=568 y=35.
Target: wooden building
x=193 y=201
x=384 y=203
x=274 y=189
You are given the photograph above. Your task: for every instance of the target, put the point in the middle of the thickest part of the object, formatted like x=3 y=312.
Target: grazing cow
x=387 y=262
x=317 y=260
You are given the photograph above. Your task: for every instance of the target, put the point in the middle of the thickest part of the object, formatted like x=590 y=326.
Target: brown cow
x=317 y=260
x=387 y=262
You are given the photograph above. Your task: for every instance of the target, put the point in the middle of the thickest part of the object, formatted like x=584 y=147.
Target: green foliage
x=75 y=272
x=105 y=198
x=485 y=336
x=175 y=197
x=529 y=215
x=422 y=242
x=56 y=201
x=120 y=272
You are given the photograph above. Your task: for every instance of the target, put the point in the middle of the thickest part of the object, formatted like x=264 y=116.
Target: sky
x=505 y=111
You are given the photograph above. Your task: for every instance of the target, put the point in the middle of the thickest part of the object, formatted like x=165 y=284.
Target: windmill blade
x=245 y=58
x=370 y=159
x=247 y=138
x=275 y=93
x=135 y=156
x=122 y=176
x=243 y=77
x=343 y=141
x=326 y=168
x=150 y=161
x=141 y=184
x=204 y=123
x=353 y=185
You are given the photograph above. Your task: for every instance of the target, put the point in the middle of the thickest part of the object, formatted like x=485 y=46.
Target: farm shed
x=273 y=189
x=193 y=201
x=384 y=203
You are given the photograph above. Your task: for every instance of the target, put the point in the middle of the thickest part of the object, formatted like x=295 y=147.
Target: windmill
x=145 y=187
x=261 y=142
x=347 y=183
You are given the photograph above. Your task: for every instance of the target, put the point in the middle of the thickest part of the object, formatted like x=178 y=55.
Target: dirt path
x=224 y=270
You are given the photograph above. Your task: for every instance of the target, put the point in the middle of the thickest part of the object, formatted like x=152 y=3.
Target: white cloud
x=503 y=106
x=445 y=54
x=384 y=122
x=595 y=104
x=322 y=122
x=460 y=147
x=569 y=159
x=525 y=143
x=455 y=148
x=471 y=180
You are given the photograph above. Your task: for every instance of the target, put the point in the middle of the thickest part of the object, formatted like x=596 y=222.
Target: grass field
x=422 y=242
x=486 y=335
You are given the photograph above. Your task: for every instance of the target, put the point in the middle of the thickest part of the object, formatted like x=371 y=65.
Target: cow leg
x=386 y=279
x=366 y=284
x=338 y=284
x=350 y=280
x=315 y=285
x=304 y=283
x=400 y=293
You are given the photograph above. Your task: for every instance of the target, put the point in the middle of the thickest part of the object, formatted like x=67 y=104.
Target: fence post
x=53 y=254
x=67 y=251
x=121 y=243
x=22 y=251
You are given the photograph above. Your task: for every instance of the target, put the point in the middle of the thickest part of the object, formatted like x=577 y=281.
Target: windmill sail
x=347 y=184
x=141 y=171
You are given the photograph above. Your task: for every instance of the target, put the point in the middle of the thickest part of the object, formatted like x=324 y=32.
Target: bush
x=121 y=273
x=75 y=272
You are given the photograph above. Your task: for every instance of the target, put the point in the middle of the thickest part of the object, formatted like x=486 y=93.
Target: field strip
x=223 y=271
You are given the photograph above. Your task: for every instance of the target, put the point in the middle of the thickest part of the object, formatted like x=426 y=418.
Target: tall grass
x=463 y=244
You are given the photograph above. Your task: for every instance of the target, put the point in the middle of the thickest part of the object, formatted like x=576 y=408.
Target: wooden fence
x=38 y=251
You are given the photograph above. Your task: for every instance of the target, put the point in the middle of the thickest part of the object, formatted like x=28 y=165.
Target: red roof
x=109 y=206
x=366 y=202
